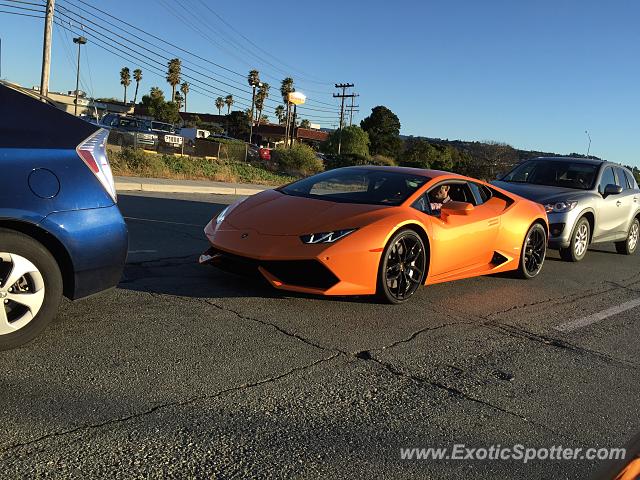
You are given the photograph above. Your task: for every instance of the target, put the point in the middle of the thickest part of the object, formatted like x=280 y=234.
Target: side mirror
x=456 y=208
x=612 y=189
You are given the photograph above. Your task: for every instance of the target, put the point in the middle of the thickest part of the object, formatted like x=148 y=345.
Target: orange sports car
x=378 y=230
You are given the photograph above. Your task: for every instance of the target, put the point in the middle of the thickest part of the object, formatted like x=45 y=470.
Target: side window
x=607 y=179
x=621 y=180
x=630 y=180
x=480 y=193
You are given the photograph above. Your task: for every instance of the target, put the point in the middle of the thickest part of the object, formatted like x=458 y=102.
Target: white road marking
x=164 y=221
x=598 y=317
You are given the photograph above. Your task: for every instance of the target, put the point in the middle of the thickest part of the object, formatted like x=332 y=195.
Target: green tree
x=383 y=127
x=261 y=97
x=421 y=154
x=219 y=104
x=305 y=123
x=279 y=113
x=137 y=76
x=355 y=141
x=238 y=124
x=228 y=100
x=125 y=80
x=184 y=88
x=159 y=108
x=174 y=71
x=179 y=100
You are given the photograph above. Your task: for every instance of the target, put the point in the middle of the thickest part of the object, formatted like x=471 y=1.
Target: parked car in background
x=126 y=131
x=587 y=201
x=61 y=232
x=168 y=140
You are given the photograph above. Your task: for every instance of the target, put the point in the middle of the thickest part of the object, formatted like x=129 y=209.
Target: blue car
x=61 y=232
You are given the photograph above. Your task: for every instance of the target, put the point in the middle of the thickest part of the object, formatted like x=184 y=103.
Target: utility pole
x=342 y=96
x=79 y=41
x=46 y=50
x=352 y=108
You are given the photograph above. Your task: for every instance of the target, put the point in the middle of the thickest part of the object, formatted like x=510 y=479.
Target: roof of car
x=592 y=161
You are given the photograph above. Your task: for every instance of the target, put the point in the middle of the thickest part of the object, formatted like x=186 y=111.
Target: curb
x=129 y=186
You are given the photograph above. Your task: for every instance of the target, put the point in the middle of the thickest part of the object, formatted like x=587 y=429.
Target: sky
x=535 y=75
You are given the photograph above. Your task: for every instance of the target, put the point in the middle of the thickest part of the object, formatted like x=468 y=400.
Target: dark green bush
x=298 y=159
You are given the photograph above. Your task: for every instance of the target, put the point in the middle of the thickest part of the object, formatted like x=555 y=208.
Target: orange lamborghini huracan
x=378 y=230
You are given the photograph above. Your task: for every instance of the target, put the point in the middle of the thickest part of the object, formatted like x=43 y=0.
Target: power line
x=155 y=69
x=22 y=14
x=165 y=42
x=165 y=58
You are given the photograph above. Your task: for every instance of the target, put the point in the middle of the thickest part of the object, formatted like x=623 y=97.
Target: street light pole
x=253 y=102
x=79 y=41
x=589 y=147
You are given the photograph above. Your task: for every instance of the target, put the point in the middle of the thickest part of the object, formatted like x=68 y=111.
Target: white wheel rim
x=21 y=292
x=582 y=240
x=633 y=236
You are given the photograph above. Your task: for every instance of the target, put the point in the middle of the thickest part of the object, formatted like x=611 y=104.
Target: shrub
x=382 y=160
x=350 y=160
x=299 y=159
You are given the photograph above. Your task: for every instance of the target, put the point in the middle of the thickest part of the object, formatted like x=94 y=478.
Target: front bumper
x=96 y=240
x=561 y=227
x=347 y=267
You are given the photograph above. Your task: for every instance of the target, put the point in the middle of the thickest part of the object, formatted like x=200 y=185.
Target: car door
x=609 y=209
x=629 y=202
x=462 y=242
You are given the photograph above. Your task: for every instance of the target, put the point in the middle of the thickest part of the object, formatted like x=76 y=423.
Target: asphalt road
x=184 y=371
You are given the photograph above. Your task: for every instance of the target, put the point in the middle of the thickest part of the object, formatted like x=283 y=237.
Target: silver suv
x=587 y=201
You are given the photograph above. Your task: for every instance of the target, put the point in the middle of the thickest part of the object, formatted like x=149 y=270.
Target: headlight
x=221 y=215
x=560 y=207
x=326 y=237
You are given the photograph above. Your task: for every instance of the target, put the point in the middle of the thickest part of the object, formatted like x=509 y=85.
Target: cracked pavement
x=187 y=372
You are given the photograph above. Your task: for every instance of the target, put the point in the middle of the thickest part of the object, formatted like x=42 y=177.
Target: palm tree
x=184 y=88
x=254 y=81
x=137 y=76
x=279 y=111
x=263 y=94
x=228 y=100
x=125 y=80
x=305 y=123
x=219 y=104
x=286 y=88
x=173 y=76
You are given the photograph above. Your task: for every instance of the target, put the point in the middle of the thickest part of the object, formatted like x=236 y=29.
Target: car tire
x=403 y=267
x=534 y=252
x=630 y=245
x=580 y=239
x=39 y=288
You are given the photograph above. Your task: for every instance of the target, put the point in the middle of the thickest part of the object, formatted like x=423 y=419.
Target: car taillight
x=94 y=154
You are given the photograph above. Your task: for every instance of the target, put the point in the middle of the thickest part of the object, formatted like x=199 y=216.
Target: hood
x=274 y=213
x=542 y=194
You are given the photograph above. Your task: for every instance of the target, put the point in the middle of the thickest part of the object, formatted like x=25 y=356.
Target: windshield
x=358 y=185
x=163 y=127
x=555 y=173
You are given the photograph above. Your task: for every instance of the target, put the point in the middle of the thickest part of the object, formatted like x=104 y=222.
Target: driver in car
x=439 y=197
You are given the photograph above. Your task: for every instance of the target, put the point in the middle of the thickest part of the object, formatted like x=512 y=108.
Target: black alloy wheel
x=534 y=251
x=403 y=267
